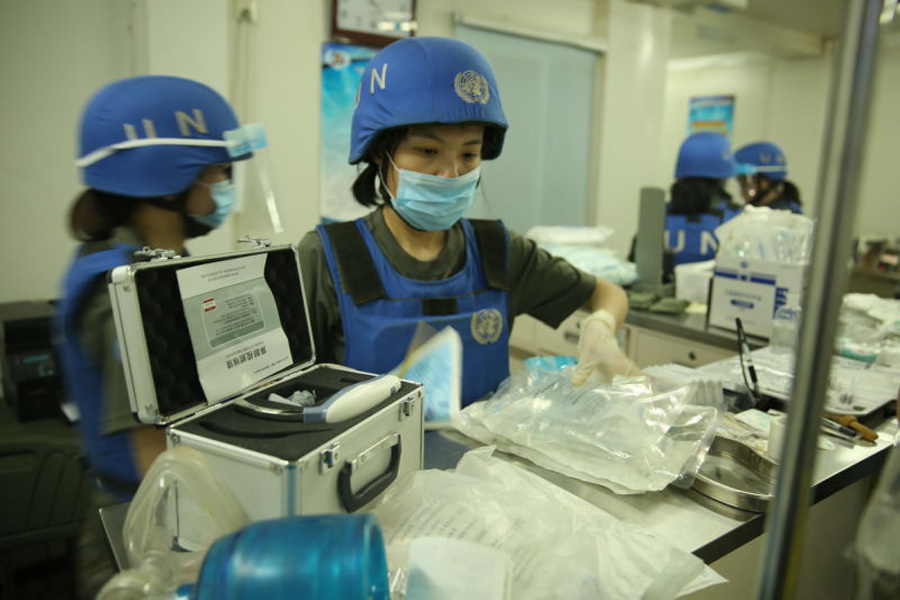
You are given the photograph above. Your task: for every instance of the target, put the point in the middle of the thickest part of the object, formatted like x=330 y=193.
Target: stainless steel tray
x=737 y=475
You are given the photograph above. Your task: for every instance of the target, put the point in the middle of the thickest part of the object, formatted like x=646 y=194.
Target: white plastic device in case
x=359 y=432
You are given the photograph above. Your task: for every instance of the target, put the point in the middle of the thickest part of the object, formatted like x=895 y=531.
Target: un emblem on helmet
x=487 y=325
x=472 y=87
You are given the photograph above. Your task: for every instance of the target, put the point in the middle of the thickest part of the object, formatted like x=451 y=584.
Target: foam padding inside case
x=286 y=440
x=172 y=360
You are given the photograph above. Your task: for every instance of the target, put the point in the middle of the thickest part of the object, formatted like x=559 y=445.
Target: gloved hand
x=598 y=349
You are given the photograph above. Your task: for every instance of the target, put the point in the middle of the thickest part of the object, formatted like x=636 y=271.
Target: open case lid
x=158 y=354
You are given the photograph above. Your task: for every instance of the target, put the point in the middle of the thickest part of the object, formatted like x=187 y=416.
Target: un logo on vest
x=472 y=87
x=487 y=325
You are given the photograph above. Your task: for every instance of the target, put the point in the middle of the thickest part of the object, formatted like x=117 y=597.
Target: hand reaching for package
x=598 y=349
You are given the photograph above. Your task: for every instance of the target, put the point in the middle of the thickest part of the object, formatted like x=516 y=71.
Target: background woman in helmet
x=762 y=175
x=698 y=200
x=429 y=112
x=157 y=172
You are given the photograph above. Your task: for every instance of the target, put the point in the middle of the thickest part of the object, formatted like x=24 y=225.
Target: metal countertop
x=691 y=326
x=685 y=518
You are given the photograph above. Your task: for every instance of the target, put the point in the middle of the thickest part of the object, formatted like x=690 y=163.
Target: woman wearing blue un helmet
x=698 y=200
x=153 y=156
x=762 y=175
x=428 y=114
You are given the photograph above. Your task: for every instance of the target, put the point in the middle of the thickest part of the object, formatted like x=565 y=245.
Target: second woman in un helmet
x=428 y=114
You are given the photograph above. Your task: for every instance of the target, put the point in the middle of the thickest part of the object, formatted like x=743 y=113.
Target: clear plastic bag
x=560 y=545
x=869 y=330
x=601 y=262
x=875 y=550
x=179 y=510
x=626 y=436
x=766 y=234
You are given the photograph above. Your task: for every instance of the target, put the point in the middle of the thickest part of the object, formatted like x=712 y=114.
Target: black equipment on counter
x=31 y=381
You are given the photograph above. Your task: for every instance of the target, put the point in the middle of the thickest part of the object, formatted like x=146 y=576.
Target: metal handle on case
x=353 y=501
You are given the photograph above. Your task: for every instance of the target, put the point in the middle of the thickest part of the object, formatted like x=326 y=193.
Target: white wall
x=633 y=107
x=283 y=93
x=797 y=112
x=878 y=211
x=53 y=56
x=574 y=18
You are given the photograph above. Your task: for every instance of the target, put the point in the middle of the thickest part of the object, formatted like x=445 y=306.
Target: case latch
x=153 y=254
x=407 y=406
x=258 y=242
x=329 y=458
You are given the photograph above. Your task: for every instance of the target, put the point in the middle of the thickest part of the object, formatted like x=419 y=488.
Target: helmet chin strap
x=192 y=228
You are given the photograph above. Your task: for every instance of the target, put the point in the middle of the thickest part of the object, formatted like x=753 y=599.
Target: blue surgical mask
x=223 y=194
x=433 y=203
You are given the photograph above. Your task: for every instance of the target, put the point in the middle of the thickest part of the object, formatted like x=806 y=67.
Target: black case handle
x=352 y=501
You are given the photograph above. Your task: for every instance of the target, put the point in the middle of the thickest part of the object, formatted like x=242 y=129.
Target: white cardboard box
x=752 y=290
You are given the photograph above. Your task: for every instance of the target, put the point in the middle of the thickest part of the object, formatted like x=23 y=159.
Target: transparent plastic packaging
x=766 y=234
x=625 y=436
x=164 y=551
x=601 y=262
x=876 y=550
x=869 y=330
x=571 y=235
x=560 y=545
x=786 y=327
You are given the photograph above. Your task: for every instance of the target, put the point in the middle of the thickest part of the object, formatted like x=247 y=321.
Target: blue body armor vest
x=380 y=308
x=692 y=238
x=111 y=455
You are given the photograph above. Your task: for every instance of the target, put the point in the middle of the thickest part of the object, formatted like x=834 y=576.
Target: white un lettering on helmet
x=472 y=87
x=380 y=79
x=185 y=124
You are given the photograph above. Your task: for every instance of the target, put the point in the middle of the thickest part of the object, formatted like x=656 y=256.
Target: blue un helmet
x=763 y=158
x=153 y=135
x=426 y=80
x=705 y=154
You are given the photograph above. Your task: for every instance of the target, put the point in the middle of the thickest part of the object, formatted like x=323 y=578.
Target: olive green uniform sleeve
x=321 y=300
x=98 y=337
x=547 y=287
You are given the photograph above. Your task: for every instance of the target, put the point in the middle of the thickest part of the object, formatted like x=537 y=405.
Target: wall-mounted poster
x=711 y=113
x=342 y=68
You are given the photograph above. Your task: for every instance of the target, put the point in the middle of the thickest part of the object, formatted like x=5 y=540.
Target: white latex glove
x=598 y=349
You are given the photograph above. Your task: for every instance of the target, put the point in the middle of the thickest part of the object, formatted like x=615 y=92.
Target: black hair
x=788 y=191
x=369 y=184
x=696 y=195
x=95 y=215
x=369 y=187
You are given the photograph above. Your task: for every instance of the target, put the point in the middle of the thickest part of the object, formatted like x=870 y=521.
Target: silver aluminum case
x=133 y=339
x=267 y=486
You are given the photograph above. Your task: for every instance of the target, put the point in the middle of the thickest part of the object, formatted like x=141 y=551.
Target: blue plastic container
x=326 y=557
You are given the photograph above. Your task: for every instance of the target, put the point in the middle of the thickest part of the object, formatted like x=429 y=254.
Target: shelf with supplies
x=647 y=338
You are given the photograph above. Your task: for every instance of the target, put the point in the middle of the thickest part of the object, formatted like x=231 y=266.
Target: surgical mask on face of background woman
x=223 y=194
x=433 y=203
